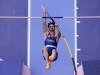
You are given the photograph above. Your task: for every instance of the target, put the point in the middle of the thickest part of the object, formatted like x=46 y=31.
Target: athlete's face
x=52 y=27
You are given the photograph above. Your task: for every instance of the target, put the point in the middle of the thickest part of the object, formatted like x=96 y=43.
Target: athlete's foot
x=51 y=58
x=48 y=66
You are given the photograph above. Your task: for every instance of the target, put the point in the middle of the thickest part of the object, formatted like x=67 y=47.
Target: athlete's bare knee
x=54 y=51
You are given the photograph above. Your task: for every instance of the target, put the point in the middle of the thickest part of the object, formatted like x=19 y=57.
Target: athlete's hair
x=51 y=23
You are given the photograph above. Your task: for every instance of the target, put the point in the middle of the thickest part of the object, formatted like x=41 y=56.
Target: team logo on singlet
x=49 y=40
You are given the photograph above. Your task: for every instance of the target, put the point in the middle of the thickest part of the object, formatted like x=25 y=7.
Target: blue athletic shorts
x=50 y=52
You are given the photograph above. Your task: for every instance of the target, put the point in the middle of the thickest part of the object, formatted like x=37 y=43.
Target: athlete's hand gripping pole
x=48 y=14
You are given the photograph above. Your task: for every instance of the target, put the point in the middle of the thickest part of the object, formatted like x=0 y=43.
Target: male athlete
x=51 y=37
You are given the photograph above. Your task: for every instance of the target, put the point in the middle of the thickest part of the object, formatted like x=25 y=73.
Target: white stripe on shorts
x=50 y=46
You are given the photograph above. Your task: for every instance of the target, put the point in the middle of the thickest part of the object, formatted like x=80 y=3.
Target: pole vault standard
x=66 y=42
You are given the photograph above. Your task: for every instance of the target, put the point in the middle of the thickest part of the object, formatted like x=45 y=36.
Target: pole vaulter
x=66 y=42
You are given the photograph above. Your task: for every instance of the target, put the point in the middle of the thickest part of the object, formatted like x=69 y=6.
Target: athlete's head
x=51 y=26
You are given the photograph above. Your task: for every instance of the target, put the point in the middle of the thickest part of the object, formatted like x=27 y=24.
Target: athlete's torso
x=50 y=40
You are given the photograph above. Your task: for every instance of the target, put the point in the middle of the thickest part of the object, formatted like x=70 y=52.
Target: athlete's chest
x=51 y=38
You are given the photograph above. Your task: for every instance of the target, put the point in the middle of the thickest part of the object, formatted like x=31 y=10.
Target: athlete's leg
x=54 y=55
x=45 y=53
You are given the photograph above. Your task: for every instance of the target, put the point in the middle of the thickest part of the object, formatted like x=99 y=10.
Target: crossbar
x=39 y=17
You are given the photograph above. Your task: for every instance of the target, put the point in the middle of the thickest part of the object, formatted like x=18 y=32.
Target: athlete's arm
x=45 y=28
x=58 y=35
